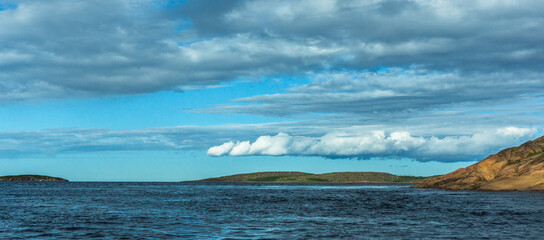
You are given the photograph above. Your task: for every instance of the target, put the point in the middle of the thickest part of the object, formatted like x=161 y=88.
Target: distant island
x=302 y=177
x=514 y=169
x=32 y=178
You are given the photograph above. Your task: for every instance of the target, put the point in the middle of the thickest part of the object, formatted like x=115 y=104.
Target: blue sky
x=161 y=91
x=164 y=108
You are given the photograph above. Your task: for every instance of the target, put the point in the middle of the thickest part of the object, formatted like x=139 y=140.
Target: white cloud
x=423 y=143
x=267 y=145
x=240 y=149
x=380 y=144
x=221 y=149
x=514 y=131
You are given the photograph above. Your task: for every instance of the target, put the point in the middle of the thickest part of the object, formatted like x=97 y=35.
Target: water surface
x=83 y=210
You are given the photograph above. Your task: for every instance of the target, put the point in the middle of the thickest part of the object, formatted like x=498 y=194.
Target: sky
x=147 y=90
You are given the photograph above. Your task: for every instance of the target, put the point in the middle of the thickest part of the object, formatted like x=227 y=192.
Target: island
x=514 y=169
x=32 y=178
x=302 y=177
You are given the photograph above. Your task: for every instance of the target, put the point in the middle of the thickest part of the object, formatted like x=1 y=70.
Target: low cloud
x=379 y=144
x=296 y=139
x=14 y=144
x=221 y=149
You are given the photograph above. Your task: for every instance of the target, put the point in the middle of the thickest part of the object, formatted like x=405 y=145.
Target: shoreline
x=198 y=181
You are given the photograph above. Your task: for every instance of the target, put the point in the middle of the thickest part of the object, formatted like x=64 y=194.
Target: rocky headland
x=514 y=169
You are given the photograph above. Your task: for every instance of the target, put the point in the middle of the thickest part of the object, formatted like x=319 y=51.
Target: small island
x=302 y=177
x=31 y=178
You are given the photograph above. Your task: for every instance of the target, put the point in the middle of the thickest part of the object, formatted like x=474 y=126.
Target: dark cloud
x=72 y=49
x=467 y=35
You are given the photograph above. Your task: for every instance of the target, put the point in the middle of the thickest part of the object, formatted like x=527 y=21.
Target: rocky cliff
x=513 y=169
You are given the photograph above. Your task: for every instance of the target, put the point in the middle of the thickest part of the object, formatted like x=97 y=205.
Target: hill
x=336 y=177
x=514 y=169
x=32 y=178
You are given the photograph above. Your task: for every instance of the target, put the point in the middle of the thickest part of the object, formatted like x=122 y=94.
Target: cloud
x=391 y=91
x=50 y=142
x=76 y=49
x=441 y=34
x=380 y=144
x=305 y=138
x=221 y=149
x=381 y=78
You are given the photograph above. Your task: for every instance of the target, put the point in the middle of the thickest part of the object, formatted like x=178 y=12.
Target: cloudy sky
x=177 y=90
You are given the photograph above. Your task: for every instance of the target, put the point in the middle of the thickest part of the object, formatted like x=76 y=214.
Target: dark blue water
x=78 y=210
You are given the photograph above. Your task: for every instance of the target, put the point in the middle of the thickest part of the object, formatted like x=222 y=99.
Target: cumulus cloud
x=379 y=144
x=304 y=139
x=221 y=149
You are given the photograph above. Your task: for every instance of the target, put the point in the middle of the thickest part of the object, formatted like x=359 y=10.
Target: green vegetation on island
x=32 y=178
x=302 y=177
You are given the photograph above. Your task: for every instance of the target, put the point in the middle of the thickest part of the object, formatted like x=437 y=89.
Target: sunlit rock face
x=513 y=169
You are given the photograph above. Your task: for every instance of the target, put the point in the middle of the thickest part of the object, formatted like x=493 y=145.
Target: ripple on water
x=252 y=211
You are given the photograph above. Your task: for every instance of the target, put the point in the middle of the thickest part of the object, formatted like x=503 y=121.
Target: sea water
x=86 y=210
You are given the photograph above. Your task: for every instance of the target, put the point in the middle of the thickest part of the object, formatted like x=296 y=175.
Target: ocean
x=119 y=210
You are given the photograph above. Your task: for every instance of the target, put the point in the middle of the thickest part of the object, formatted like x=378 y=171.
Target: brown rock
x=513 y=169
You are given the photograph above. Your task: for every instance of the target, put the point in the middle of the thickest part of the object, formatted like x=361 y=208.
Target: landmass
x=514 y=169
x=32 y=178
x=302 y=177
